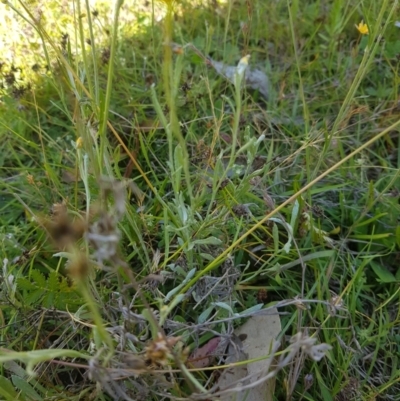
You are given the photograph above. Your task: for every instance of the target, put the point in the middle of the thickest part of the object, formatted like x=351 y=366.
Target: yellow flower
x=79 y=142
x=362 y=28
x=243 y=63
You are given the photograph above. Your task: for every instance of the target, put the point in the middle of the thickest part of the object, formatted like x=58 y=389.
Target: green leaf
x=325 y=392
x=371 y=236
x=392 y=49
x=39 y=278
x=32 y=358
x=153 y=328
x=26 y=389
x=289 y=230
x=53 y=284
x=371 y=220
x=208 y=241
x=254 y=308
x=49 y=300
x=398 y=275
x=188 y=277
x=384 y=275
x=207 y=256
x=7 y=389
x=17 y=370
x=275 y=234
x=205 y=314
x=225 y=306
x=178 y=166
x=51 y=291
x=295 y=213
x=398 y=236
x=34 y=297
x=25 y=284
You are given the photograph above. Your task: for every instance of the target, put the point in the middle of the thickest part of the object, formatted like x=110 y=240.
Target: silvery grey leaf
x=253 y=78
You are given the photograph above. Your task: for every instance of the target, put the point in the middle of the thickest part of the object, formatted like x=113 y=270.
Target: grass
x=147 y=203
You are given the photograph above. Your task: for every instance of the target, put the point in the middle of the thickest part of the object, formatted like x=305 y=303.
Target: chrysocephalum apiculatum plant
x=280 y=209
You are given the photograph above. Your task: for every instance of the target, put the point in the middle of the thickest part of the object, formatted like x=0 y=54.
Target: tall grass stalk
x=93 y=48
x=171 y=78
x=89 y=71
x=104 y=156
x=292 y=9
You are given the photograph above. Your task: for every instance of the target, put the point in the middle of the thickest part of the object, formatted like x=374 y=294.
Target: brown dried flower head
x=79 y=266
x=63 y=230
x=159 y=350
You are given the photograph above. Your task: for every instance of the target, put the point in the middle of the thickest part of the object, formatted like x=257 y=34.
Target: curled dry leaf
x=204 y=356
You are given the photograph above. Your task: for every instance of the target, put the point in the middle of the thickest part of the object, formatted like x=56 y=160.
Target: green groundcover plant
x=171 y=169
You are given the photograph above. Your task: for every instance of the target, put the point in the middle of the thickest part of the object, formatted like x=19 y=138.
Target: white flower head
x=307 y=344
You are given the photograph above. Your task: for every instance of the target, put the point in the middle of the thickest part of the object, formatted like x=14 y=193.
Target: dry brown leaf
x=204 y=356
x=68 y=176
x=259 y=334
